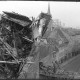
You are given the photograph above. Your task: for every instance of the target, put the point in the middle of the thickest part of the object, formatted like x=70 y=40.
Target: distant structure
x=49 y=12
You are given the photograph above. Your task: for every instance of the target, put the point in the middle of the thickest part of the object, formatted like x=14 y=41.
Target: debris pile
x=31 y=48
x=16 y=41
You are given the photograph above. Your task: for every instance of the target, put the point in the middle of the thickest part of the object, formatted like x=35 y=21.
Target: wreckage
x=34 y=48
x=15 y=42
x=21 y=40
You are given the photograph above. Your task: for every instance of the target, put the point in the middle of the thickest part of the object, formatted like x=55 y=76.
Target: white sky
x=67 y=12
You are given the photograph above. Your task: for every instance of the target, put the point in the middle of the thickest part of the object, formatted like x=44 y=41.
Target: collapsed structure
x=15 y=40
x=32 y=48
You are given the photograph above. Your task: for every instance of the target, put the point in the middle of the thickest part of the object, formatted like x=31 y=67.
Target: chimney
x=48 y=12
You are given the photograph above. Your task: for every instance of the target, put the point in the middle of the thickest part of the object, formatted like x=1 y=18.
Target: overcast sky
x=67 y=12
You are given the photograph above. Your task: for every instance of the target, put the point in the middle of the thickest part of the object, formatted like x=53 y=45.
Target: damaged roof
x=17 y=18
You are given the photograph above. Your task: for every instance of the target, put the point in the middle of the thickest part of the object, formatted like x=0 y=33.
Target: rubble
x=15 y=42
x=31 y=48
x=25 y=44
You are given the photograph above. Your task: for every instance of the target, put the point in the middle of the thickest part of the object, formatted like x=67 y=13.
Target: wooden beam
x=13 y=62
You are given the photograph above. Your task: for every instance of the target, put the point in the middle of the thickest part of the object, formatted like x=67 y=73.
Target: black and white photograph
x=40 y=40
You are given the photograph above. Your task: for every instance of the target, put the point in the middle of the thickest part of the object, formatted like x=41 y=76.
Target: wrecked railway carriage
x=16 y=41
